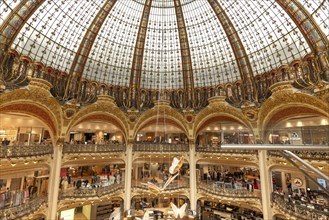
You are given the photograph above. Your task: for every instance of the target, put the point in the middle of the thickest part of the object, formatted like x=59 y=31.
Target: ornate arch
x=286 y=102
x=219 y=110
x=37 y=103
x=169 y=115
x=103 y=110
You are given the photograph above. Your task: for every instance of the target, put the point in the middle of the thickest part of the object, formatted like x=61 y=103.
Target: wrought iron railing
x=25 y=151
x=94 y=192
x=25 y=209
x=298 y=210
x=307 y=154
x=160 y=147
x=218 y=149
x=234 y=193
x=93 y=148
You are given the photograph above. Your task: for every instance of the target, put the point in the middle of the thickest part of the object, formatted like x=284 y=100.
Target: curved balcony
x=160 y=147
x=213 y=190
x=25 y=151
x=172 y=188
x=86 y=192
x=93 y=148
x=218 y=149
x=23 y=210
x=300 y=211
x=307 y=154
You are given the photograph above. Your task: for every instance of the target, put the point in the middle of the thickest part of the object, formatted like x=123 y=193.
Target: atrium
x=164 y=109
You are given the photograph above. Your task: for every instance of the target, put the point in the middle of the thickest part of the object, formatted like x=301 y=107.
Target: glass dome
x=104 y=39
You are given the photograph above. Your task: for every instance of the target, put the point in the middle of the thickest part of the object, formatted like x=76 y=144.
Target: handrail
x=305 y=154
x=93 y=148
x=171 y=187
x=27 y=208
x=160 y=147
x=25 y=151
x=299 y=211
x=94 y=192
x=234 y=193
x=218 y=149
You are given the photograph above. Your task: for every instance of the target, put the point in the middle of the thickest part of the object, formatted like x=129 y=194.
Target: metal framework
x=237 y=47
x=188 y=80
x=316 y=39
x=87 y=42
x=136 y=69
x=16 y=20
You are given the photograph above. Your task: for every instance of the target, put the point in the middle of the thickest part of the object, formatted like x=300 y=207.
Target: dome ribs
x=249 y=88
x=82 y=54
x=188 y=80
x=10 y=27
x=137 y=64
x=316 y=39
x=306 y=24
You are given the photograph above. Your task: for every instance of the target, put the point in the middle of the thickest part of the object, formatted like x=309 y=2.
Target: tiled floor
x=79 y=216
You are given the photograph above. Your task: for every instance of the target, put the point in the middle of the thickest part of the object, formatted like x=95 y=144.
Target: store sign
x=295 y=136
x=297 y=182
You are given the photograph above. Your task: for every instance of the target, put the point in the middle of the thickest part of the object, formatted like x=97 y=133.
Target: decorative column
x=193 y=189
x=284 y=184
x=54 y=177
x=265 y=182
x=128 y=168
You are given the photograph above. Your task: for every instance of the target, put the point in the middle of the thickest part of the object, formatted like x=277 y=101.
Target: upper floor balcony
x=17 y=151
x=91 y=192
x=25 y=209
x=93 y=148
x=160 y=147
x=219 y=190
x=298 y=209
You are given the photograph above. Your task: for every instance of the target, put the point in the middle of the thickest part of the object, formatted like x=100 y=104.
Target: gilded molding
x=103 y=109
x=37 y=101
x=219 y=108
x=162 y=111
x=283 y=98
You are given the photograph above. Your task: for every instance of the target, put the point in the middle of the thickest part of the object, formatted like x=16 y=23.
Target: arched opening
x=223 y=129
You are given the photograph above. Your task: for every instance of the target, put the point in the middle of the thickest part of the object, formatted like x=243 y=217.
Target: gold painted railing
x=94 y=192
x=160 y=147
x=234 y=193
x=299 y=211
x=307 y=154
x=23 y=210
x=93 y=148
x=171 y=188
x=25 y=151
x=218 y=149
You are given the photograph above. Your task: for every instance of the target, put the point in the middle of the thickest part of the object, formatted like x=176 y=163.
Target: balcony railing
x=172 y=187
x=93 y=148
x=218 y=149
x=234 y=193
x=25 y=151
x=160 y=147
x=307 y=154
x=299 y=211
x=86 y=192
x=23 y=210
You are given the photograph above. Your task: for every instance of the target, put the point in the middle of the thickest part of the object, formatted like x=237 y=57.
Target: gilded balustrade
x=93 y=148
x=25 y=151
x=160 y=147
x=94 y=192
x=218 y=149
x=299 y=211
x=307 y=154
x=212 y=189
x=25 y=209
